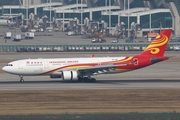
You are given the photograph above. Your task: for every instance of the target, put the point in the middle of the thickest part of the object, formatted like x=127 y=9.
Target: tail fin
x=158 y=45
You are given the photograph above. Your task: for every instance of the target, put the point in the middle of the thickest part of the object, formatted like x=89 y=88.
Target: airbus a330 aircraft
x=83 y=68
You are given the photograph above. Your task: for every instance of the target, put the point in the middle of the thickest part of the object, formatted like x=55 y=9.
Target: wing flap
x=100 y=69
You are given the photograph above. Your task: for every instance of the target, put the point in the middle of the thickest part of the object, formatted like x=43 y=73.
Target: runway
x=160 y=75
x=101 y=84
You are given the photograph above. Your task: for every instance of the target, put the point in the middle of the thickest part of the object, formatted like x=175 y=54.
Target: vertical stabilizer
x=158 y=45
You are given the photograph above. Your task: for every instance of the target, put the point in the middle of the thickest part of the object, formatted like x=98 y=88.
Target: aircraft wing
x=99 y=69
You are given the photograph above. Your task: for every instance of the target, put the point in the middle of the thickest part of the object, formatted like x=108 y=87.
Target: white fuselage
x=30 y=67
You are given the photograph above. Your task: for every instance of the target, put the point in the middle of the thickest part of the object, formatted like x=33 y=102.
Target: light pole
x=81 y=16
x=109 y=15
x=10 y=14
x=50 y=13
x=106 y=5
x=63 y=20
x=27 y=12
x=160 y=26
x=150 y=21
x=77 y=4
x=128 y=18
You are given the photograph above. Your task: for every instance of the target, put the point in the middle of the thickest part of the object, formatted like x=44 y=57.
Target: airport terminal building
x=150 y=14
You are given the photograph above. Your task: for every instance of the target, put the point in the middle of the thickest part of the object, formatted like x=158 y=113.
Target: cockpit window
x=9 y=65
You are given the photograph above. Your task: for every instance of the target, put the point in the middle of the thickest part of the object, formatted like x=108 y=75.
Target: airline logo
x=157 y=44
x=88 y=65
x=34 y=63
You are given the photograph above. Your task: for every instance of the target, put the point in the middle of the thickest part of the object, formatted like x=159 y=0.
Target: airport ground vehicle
x=70 y=33
x=175 y=39
x=130 y=40
x=17 y=37
x=98 y=40
x=7 y=35
x=29 y=35
x=115 y=41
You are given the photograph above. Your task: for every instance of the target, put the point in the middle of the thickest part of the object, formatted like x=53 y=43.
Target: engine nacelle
x=55 y=76
x=69 y=75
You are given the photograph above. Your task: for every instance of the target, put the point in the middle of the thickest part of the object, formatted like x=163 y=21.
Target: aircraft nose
x=4 y=69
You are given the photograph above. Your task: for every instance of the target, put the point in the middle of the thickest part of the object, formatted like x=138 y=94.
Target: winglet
x=158 y=45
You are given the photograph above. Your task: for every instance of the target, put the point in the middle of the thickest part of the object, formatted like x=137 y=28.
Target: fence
x=83 y=48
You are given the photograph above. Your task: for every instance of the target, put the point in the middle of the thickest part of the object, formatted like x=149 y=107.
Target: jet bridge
x=93 y=29
x=120 y=30
x=136 y=30
x=73 y=27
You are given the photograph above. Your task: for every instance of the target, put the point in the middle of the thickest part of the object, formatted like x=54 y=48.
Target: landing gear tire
x=22 y=80
x=93 y=80
x=86 y=79
x=80 y=79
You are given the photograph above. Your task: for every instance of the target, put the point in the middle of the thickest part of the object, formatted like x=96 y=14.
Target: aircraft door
x=20 y=65
x=46 y=64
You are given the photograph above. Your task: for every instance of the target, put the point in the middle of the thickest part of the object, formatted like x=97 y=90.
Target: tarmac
x=161 y=75
x=58 y=38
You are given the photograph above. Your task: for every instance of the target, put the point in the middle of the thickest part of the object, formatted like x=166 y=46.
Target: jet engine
x=69 y=75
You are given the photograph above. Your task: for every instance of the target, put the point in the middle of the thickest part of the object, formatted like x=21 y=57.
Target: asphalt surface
x=58 y=38
x=161 y=75
x=51 y=38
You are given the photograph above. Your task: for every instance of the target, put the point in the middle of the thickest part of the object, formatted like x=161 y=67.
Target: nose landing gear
x=21 y=78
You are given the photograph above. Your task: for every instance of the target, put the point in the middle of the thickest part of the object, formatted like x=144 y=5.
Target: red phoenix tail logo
x=158 y=42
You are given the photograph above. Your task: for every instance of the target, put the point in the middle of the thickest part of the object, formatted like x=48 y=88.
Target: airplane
x=82 y=69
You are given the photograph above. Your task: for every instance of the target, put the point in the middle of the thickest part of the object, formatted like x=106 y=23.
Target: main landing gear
x=21 y=78
x=86 y=79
